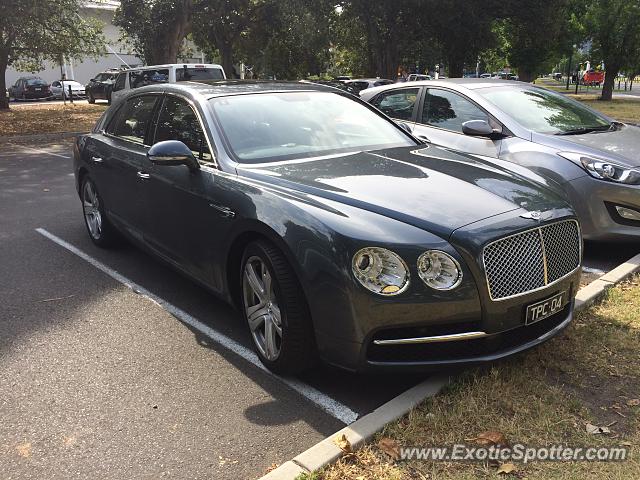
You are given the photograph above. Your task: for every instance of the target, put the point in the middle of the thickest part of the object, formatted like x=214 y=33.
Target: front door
x=185 y=218
x=440 y=120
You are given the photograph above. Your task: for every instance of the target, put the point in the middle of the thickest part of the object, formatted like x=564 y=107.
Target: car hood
x=428 y=187
x=621 y=144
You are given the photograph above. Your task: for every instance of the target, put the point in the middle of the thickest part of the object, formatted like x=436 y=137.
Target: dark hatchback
x=101 y=86
x=27 y=88
x=336 y=233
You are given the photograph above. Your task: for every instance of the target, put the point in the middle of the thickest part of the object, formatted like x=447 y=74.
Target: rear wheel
x=276 y=310
x=101 y=232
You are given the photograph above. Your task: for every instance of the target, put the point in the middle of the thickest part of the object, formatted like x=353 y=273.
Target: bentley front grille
x=532 y=259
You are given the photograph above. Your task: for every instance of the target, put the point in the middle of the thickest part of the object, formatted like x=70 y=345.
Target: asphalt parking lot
x=114 y=366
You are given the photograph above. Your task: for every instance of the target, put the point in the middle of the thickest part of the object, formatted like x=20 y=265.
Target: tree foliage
x=155 y=29
x=614 y=26
x=34 y=31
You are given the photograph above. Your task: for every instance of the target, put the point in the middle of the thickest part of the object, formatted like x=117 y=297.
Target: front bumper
x=592 y=200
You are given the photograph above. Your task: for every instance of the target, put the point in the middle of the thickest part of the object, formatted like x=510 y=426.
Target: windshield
x=279 y=126
x=196 y=74
x=543 y=111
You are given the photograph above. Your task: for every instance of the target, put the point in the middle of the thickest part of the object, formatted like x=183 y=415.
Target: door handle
x=143 y=175
x=422 y=137
x=96 y=159
x=225 y=212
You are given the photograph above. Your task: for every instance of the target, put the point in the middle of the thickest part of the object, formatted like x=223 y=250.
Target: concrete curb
x=39 y=137
x=589 y=294
x=362 y=430
x=359 y=432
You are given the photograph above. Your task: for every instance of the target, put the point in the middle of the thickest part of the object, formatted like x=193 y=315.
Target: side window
x=397 y=103
x=120 y=81
x=449 y=110
x=178 y=121
x=133 y=119
x=142 y=78
x=55 y=84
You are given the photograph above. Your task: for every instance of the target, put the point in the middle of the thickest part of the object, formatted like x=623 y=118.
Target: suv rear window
x=35 y=81
x=197 y=74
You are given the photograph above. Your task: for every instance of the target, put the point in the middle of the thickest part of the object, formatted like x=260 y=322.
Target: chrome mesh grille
x=531 y=260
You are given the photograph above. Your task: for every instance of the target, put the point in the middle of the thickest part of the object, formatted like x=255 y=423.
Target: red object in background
x=593 y=77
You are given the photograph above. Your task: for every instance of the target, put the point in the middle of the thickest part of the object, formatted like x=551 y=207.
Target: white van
x=172 y=73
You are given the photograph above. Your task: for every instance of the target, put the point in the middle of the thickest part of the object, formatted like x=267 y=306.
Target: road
x=114 y=366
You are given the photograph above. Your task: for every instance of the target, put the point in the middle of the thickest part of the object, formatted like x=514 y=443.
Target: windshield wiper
x=581 y=130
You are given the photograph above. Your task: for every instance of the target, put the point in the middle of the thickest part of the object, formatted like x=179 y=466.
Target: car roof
x=221 y=88
x=171 y=65
x=459 y=84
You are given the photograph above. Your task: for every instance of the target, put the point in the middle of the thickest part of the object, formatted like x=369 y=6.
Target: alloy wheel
x=262 y=308
x=91 y=207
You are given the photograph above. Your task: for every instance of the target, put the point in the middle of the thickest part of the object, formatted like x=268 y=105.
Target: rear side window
x=142 y=78
x=197 y=74
x=178 y=121
x=133 y=119
x=397 y=103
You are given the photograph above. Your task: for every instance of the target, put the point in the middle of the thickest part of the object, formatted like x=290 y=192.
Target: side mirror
x=477 y=128
x=405 y=127
x=173 y=152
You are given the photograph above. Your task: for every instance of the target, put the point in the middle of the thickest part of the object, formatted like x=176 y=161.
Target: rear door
x=441 y=115
x=121 y=158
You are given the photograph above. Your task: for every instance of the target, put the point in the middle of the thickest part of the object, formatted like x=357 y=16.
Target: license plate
x=545 y=308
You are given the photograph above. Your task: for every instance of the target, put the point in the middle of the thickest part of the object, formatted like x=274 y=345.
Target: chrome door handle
x=143 y=175
x=96 y=159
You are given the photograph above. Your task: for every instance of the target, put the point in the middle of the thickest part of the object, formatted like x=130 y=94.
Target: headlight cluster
x=383 y=272
x=604 y=169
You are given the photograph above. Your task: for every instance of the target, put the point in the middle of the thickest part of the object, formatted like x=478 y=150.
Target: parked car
x=360 y=84
x=99 y=87
x=30 y=87
x=593 y=77
x=60 y=89
x=336 y=233
x=172 y=73
x=591 y=156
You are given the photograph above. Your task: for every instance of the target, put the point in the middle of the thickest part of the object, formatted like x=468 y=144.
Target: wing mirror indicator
x=173 y=153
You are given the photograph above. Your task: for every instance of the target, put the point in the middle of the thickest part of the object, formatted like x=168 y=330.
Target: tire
x=109 y=98
x=100 y=230
x=296 y=350
x=90 y=98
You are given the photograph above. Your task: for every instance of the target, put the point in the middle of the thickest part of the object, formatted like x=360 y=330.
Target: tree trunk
x=525 y=75
x=4 y=101
x=226 y=57
x=455 y=67
x=609 y=81
x=169 y=41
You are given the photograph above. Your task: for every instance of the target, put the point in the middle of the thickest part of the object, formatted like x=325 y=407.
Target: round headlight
x=439 y=270
x=380 y=271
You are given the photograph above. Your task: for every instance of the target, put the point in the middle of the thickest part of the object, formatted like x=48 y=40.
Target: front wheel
x=100 y=230
x=276 y=310
x=90 y=98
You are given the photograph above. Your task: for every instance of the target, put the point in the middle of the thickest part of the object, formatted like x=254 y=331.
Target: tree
x=220 y=24
x=33 y=31
x=533 y=28
x=464 y=29
x=156 y=29
x=613 y=25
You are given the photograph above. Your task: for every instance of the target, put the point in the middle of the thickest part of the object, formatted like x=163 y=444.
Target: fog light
x=628 y=213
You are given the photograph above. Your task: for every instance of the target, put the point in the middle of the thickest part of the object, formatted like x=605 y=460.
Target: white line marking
x=37 y=150
x=326 y=403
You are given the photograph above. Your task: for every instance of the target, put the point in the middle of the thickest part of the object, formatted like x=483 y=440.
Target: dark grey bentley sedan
x=337 y=234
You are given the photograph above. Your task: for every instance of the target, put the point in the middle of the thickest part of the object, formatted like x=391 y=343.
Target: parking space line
x=37 y=150
x=326 y=403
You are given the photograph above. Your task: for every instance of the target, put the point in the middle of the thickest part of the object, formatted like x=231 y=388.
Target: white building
x=117 y=54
